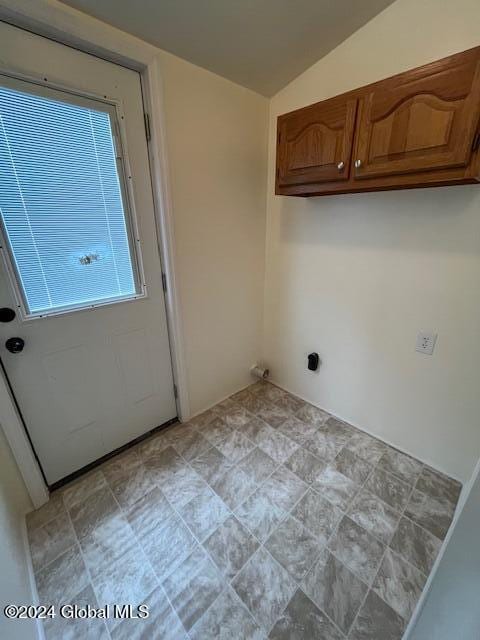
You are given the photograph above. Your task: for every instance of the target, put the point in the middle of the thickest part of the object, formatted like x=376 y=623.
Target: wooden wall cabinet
x=420 y=128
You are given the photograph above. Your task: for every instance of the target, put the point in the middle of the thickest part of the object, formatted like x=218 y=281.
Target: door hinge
x=148 y=133
x=175 y=390
x=164 y=282
x=476 y=142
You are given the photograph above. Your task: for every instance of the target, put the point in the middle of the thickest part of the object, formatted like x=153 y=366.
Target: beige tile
x=132 y=485
x=51 y=540
x=227 y=619
x=294 y=547
x=284 y=488
x=433 y=514
x=377 y=621
x=194 y=587
x=60 y=628
x=438 y=485
x=235 y=446
x=374 y=515
x=265 y=587
x=60 y=581
x=156 y=518
x=399 y=584
x=312 y=415
x=95 y=510
x=49 y=511
x=83 y=488
x=305 y=465
x=230 y=546
x=121 y=465
x=127 y=580
x=203 y=514
x=162 y=622
x=318 y=515
x=260 y=514
x=416 y=545
x=357 y=549
x=148 y=513
x=335 y=589
x=336 y=487
x=107 y=543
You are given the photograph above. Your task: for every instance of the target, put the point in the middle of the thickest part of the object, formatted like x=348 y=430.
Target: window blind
x=61 y=203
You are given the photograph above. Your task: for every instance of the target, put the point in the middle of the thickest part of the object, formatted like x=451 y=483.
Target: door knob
x=6 y=314
x=358 y=164
x=15 y=345
x=340 y=165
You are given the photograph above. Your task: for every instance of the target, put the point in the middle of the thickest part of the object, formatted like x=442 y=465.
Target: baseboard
x=429 y=463
x=210 y=406
x=431 y=577
x=40 y=634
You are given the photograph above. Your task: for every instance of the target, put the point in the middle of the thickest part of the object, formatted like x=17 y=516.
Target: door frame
x=61 y=23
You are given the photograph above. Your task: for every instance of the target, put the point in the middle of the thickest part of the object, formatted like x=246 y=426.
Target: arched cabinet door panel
x=420 y=121
x=315 y=144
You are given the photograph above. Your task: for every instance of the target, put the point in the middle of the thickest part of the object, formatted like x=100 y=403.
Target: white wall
x=217 y=153
x=355 y=277
x=452 y=605
x=14 y=583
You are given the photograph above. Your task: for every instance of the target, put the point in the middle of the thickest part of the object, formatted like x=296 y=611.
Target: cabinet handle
x=358 y=164
x=340 y=165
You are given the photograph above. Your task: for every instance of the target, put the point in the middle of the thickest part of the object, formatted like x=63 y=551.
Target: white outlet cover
x=426 y=342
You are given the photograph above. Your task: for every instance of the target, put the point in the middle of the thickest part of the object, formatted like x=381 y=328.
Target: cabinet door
x=421 y=120
x=315 y=144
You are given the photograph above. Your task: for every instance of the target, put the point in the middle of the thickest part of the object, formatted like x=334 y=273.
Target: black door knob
x=6 y=314
x=15 y=345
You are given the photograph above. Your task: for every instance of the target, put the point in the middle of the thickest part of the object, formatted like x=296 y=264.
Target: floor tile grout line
x=261 y=544
x=406 y=561
x=297 y=582
x=298 y=586
x=358 y=429
x=87 y=569
x=386 y=546
x=369 y=589
x=401 y=511
x=226 y=587
x=138 y=544
x=288 y=513
x=354 y=621
x=370 y=586
x=361 y=486
x=45 y=566
x=201 y=545
x=159 y=582
x=44 y=524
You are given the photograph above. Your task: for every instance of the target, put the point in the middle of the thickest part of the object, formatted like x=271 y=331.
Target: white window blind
x=61 y=203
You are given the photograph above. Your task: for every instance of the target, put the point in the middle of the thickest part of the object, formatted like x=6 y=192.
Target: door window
x=66 y=221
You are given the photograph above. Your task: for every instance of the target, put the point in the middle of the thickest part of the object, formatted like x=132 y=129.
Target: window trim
x=113 y=108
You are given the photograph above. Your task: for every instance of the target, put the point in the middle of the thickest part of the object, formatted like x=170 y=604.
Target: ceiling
x=260 y=44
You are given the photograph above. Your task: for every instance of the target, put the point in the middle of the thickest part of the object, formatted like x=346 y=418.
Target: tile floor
x=262 y=517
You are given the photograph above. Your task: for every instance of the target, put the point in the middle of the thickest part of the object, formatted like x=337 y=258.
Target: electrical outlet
x=426 y=342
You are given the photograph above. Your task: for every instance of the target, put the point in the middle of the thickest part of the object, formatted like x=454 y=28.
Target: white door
x=80 y=262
